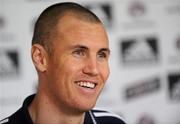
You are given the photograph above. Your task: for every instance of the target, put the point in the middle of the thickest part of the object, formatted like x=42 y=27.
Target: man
x=70 y=52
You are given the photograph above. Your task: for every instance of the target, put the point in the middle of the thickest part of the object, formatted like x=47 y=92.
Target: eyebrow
x=80 y=46
x=105 y=50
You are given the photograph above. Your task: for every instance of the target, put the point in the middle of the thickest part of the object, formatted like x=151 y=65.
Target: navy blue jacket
x=93 y=116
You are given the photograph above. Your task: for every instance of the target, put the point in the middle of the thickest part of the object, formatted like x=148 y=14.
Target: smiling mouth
x=84 y=84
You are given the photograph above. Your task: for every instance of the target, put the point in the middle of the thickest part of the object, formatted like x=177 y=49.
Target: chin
x=86 y=107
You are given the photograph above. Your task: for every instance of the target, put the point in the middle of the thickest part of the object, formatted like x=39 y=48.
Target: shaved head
x=45 y=27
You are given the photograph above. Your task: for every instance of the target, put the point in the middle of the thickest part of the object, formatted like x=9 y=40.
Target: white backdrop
x=144 y=84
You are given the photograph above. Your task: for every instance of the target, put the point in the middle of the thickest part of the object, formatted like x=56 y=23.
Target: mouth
x=86 y=84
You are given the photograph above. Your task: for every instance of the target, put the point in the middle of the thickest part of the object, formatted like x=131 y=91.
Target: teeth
x=86 y=84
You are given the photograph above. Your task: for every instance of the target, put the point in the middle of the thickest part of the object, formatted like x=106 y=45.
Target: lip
x=86 y=91
x=92 y=81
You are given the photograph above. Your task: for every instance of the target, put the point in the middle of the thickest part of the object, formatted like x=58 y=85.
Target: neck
x=43 y=111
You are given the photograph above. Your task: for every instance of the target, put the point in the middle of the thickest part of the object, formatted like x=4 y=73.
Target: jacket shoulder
x=104 y=116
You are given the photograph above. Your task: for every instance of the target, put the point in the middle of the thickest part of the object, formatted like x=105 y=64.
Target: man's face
x=78 y=67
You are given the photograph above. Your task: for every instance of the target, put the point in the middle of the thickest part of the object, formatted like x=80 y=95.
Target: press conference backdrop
x=144 y=84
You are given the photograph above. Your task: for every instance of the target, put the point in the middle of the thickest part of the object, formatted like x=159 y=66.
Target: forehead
x=73 y=30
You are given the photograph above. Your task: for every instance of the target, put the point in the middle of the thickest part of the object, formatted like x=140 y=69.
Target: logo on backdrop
x=174 y=86
x=5 y=36
x=173 y=9
x=142 y=87
x=178 y=44
x=138 y=51
x=9 y=64
x=138 y=16
x=103 y=11
x=146 y=119
x=2 y=23
x=174 y=57
x=136 y=9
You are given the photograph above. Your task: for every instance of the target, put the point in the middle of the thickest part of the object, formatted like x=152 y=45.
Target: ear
x=39 y=57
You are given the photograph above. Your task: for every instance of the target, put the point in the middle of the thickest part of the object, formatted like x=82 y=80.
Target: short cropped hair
x=45 y=25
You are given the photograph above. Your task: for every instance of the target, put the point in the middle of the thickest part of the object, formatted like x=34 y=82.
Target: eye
x=79 y=53
x=102 y=55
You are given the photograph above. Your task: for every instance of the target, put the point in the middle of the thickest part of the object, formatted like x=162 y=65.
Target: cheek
x=105 y=72
x=70 y=68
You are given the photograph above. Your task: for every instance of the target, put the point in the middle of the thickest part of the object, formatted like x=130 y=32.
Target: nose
x=91 y=67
